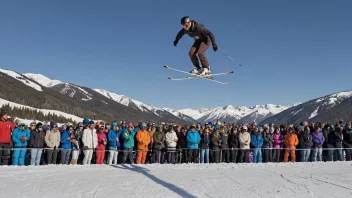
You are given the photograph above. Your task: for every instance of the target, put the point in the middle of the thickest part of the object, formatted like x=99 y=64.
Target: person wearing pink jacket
x=278 y=139
x=102 y=141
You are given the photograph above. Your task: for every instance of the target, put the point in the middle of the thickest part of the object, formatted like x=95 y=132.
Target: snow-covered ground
x=299 y=180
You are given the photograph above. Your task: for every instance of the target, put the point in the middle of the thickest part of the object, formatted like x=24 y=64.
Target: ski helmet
x=185 y=20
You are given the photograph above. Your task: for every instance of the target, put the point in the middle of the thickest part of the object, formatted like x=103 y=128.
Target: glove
x=175 y=43
x=215 y=47
x=54 y=148
x=85 y=148
x=23 y=139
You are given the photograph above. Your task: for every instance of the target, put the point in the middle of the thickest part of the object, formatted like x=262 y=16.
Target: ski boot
x=194 y=71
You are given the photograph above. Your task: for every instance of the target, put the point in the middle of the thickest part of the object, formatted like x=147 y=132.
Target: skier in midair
x=202 y=38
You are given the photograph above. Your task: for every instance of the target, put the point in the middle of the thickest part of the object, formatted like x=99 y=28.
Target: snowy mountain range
x=227 y=113
x=100 y=102
x=329 y=108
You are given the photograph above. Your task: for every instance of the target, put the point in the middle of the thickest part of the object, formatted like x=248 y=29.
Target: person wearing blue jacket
x=257 y=143
x=20 y=136
x=113 y=143
x=66 y=145
x=193 y=139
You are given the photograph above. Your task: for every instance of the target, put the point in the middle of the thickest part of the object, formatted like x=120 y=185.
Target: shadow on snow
x=167 y=185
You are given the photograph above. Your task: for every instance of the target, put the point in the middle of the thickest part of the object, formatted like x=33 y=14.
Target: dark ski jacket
x=37 y=139
x=268 y=140
x=197 y=31
x=306 y=140
x=224 y=140
x=234 y=140
x=204 y=141
x=347 y=139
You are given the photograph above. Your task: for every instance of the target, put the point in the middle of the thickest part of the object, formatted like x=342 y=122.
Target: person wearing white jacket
x=171 y=143
x=245 y=140
x=90 y=142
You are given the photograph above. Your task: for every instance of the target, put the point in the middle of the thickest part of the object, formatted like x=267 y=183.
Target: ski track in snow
x=331 y=179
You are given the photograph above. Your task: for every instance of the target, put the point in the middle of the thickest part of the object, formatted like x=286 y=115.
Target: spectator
x=306 y=142
x=278 y=139
x=318 y=141
x=268 y=145
x=204 y=146
x=347 y=141
x=233 y=145
x=257 y=143
x=193 y=139
x=66 y=145
x=20 y=136
x=159 y=139
x=290 y=142
x=102 y=142
x=143 y=140
x=6 y=127
x=171 y=143
x=52 y=141
x=90 y=142
x=128 y=137
x=37 y=141
x=224 y=143
x=113 y=142
x=245 y=140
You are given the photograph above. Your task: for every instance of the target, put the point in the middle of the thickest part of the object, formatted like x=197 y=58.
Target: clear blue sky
x=290 y=50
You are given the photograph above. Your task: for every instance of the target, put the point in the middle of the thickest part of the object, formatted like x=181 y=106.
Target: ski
x=216 y=74
x=206 y=77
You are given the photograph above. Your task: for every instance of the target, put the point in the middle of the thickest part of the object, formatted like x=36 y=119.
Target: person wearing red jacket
x=102 y=141
x=6 y=127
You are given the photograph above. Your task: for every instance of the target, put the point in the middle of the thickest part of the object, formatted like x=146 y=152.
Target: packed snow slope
x=331 y=179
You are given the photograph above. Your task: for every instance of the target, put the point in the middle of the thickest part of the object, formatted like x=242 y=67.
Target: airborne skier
x=202 y=38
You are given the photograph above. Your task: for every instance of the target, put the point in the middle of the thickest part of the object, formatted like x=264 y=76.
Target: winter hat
x=114 y=124
x=39 y=124
x=53 y=124
x=217 y=126
x=244 y=127
x=91 y=122
x=209 y=123
x=85 y=121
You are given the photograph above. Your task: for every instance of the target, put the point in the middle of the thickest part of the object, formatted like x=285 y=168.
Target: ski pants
x=65 y=156
x=292 y=153
x=193 y=155
x=257 y=155
x=199 y=47
x=88 y=154
x=18 y=156
x=216 y=155
x=204 y=156
x=36 y=154
x=128 y=153
x=141 y=157
x=305 y=155
x=100 y=154
x=113 y=153
x=5 y=154
x=51 y=156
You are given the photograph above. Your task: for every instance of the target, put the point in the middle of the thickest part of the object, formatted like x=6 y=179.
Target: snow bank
x=183 y=180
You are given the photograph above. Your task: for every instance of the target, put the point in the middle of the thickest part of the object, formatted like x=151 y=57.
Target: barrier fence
x=181 y=155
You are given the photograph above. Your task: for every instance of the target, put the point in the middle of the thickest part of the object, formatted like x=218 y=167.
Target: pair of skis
x=192 y=76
